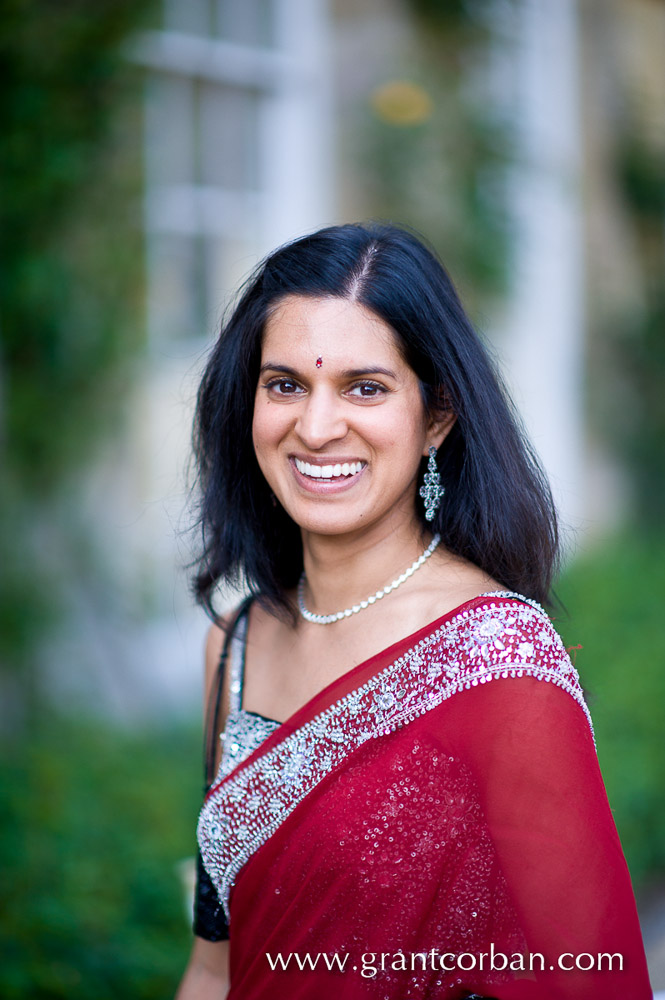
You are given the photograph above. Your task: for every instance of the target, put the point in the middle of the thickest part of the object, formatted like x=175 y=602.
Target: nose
x=321 y=419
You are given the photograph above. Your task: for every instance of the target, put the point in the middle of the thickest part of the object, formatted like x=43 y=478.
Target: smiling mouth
x=336 y=471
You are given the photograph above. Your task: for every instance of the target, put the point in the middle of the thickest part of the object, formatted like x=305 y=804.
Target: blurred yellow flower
x=400 y=102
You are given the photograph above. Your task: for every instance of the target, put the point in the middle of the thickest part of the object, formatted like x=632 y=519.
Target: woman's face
x=339 y=423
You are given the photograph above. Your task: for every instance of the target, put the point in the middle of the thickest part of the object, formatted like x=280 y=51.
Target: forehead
x=334 y=329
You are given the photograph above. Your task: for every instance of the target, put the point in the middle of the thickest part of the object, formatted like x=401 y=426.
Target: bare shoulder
x=213 y=653
x=213 y=648
x=216 y=636
x=454 y=581
x=214 y=645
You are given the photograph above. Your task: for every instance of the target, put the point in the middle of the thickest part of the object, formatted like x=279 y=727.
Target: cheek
x=266 y=430
x=260 y=428
x=404 y=435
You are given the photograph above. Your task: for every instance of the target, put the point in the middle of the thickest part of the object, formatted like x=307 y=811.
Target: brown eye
x=283 y=386
x=367 y=390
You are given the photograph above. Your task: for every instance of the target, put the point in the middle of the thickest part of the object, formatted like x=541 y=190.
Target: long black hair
x=497 y=510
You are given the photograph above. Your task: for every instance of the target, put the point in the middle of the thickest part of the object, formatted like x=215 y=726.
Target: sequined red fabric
x=435 y=811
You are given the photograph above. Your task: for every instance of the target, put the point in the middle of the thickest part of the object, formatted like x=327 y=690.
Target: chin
x=322 y=524
x=321 y=527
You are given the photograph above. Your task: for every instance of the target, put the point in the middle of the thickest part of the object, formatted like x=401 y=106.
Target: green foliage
x=445 y=175
x=93 y=822
x=439 y=177
x=455 y=15
x=70 y=279
x=639 y=340
x=70 y=275
x=615 y=601
x=641 y=172
x=27 y=609
x=640 y=348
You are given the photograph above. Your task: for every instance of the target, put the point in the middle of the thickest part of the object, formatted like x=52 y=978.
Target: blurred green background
x=150 y=153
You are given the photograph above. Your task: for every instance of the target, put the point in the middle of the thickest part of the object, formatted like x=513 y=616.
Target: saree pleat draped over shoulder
x=431 y=824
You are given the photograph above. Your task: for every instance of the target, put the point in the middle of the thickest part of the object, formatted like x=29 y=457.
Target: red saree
x=431 y=825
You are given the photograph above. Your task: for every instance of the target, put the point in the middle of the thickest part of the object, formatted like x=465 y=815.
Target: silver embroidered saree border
x=255 y=802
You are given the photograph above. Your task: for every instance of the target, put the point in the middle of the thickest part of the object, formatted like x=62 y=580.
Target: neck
x=343 y=570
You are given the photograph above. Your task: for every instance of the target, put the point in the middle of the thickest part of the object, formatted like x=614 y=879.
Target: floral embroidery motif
x=496 y=639
x=243 y=733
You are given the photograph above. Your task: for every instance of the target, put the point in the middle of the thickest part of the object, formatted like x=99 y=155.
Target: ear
x=441 y=420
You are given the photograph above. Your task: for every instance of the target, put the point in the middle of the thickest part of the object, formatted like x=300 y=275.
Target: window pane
x=249 y=22
x=191 y=17
x=229 y=137
x=170 y=130
x=177 y=292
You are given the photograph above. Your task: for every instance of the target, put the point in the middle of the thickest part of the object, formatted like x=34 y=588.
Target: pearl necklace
x=329 y=619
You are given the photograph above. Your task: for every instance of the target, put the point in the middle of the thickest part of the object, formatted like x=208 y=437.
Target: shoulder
x=505 y=628
x=504 y=635
x=214 y=644
x=215 y=641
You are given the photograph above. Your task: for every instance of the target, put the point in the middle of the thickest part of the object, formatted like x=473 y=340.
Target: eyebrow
x=348 y=373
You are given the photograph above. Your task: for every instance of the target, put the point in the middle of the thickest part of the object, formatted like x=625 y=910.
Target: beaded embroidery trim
x=243 y=733
x=475 y=646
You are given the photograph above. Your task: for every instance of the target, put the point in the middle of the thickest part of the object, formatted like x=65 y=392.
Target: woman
x=407 y=802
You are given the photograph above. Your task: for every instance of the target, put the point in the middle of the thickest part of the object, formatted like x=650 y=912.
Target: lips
x=332 y=471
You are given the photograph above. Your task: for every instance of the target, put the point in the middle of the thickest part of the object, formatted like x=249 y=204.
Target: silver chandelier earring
x=432 y=491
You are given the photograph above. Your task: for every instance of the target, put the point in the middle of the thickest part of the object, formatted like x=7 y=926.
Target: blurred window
x=229 y=136
x=190 y=16
x=250 y=22
x=235 y=132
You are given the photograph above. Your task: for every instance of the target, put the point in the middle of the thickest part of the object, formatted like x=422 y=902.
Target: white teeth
x=328 y=471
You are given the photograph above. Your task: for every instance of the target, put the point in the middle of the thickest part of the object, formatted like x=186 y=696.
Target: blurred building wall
x=251 y=138
x=543 y=328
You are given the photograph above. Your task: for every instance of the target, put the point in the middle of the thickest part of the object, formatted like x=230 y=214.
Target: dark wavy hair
x=497 y=511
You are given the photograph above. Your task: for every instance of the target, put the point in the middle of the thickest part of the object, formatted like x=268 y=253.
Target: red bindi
x=319 y=362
